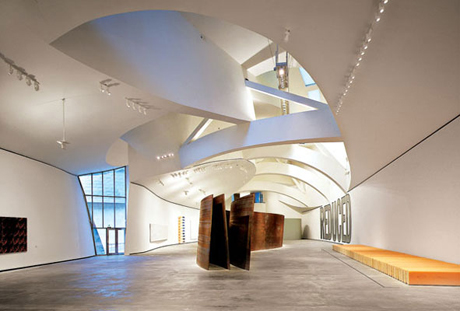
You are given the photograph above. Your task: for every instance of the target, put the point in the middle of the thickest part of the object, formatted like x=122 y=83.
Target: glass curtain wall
x=105 y=194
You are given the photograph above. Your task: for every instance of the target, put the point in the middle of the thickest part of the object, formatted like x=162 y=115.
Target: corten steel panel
x=240 y=229
x=267 y=231
x=227 y=213
x=219 y=253
x=204 y=233
x=13 y=235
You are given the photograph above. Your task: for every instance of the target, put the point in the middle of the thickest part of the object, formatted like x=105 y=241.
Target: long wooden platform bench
x=409 y=269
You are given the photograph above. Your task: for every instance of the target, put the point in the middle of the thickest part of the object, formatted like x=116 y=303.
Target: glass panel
x=307 y=79
x=100 y=236
x=120 y=182
x=86 y=184
x=111 y=241
x=109 y=213
x=89 y=202
x=121 y=241
x=315 y=95
x=120 y=213
x=97 y=212
x=108 y=183
x=97 y=184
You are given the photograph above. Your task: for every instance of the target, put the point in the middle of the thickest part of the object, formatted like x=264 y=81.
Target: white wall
x=311 y=225
x=412 y=205
x=273 y=205
x=52 y=201
x=144 y=209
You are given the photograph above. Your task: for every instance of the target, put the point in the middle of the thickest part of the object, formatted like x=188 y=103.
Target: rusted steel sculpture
x=240 y=230
x=219 y=253
x=212 y=234
x=267 y=231
x=226 y=238
x=204 y=233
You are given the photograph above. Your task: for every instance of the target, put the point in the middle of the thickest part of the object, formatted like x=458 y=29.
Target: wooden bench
x=409 y=269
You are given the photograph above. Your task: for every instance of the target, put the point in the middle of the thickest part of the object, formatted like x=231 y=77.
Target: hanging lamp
x=63 y=143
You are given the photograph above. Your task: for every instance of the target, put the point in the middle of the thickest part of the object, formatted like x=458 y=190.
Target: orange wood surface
x=409 y=269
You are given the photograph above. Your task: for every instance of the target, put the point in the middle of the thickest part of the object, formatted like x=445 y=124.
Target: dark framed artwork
x=13 y=235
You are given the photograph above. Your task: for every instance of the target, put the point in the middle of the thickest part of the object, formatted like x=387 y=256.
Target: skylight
x=307 y=79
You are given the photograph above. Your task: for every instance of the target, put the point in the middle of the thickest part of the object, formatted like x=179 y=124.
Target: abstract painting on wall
x=158 y=232
x=13 y=235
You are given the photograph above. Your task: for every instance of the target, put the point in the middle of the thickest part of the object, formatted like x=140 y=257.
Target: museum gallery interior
x=243 y=155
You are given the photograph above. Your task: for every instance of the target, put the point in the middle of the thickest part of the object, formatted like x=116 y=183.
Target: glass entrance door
x=115 y=242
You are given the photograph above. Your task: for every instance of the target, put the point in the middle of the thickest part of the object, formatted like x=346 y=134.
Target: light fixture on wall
x=21 y=73
x=138 y=105
x=362 y=52
x=63 y=143
x=105 y=85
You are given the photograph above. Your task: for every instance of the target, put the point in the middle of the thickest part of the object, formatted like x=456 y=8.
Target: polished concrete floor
x=303 y=275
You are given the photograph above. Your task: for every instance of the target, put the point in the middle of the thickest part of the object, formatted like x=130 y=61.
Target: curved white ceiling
x=161 y=53
x=322 y=186
x=406 y=88
x=188 y=187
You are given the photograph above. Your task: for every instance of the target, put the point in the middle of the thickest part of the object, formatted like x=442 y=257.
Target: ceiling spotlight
x=21 y=73
x=362 y=50
x=105 y=85
x=369 y=36
x=139 y=105
x=36 y=86
x=287 y=33
x=63 y=144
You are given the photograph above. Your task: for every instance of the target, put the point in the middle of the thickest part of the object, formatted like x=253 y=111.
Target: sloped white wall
x=412 y=205
x=145 y=208
x=52 y=201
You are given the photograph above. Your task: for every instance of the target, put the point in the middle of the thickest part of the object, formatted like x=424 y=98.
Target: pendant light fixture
x=63 y=143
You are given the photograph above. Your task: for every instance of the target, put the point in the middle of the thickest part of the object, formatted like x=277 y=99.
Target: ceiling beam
x=198 y=131
x=285 y=95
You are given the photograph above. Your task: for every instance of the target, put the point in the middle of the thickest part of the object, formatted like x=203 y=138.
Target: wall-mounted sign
x=335 y=220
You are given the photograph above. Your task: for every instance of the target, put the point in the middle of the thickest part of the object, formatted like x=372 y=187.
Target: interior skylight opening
x=307 y=79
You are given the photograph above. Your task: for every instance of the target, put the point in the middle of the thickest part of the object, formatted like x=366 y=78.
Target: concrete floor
x=303 y=275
